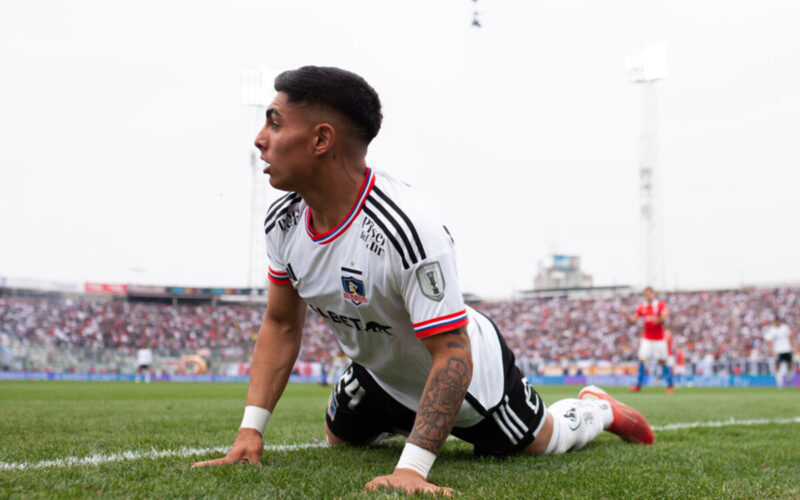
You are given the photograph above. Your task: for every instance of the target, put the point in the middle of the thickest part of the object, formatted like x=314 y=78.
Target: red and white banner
x=307 y=368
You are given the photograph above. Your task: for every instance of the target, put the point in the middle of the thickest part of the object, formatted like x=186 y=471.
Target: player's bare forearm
x=273 y=358
x=444 y=391
x=277 y=347
x=275 y=351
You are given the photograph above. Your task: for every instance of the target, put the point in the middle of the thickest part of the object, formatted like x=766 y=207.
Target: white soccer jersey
x=779 y=335
x=144 y=356
x=383 y=279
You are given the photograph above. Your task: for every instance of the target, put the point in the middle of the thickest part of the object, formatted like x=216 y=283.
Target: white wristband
x=417 y=459
x=256 y=418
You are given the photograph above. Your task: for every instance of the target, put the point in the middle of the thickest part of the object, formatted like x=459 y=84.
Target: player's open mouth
x=267 y=168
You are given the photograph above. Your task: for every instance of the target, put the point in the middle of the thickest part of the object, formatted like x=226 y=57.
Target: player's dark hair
x=340 y=90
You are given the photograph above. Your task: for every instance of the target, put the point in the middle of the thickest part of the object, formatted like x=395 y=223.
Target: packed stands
x=718 y=330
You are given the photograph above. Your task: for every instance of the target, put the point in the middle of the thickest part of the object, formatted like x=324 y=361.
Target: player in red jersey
x=671 y=353
x=653 y=345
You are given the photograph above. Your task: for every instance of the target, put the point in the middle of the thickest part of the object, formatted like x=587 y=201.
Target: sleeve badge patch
x=431 y=280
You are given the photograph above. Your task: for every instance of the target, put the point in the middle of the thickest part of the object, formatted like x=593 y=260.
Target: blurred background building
x=561 y=272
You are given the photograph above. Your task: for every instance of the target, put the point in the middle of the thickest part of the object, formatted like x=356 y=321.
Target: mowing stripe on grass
x=188 y=452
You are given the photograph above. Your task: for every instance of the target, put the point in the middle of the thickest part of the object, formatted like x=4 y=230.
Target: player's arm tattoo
x=443 y=395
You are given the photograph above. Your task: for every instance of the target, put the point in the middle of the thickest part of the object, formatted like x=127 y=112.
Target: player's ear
x=325 y=138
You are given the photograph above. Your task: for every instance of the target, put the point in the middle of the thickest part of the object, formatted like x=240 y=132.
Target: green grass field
x=56 y=421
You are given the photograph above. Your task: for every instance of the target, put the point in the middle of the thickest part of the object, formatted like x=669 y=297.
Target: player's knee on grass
x=359 y=411
x=542 y=440
x=333 y=439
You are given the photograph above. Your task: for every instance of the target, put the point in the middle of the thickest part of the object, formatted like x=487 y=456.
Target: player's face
x=287 y=144
x=648 y=295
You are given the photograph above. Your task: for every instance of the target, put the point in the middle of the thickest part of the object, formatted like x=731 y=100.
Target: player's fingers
x=253 y=458
x=438 y=490
x=432 y=489
x=376 y=484
x=426 y=488
x=218 y=461
x=448 y=492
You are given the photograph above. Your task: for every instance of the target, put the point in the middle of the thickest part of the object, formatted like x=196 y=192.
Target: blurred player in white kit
x=778 y=337
x=144 y=361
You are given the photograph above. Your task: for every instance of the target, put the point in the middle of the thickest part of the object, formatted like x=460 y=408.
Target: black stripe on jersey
x=353 y=271
x=277 y=204
x=473 y=401
x=448 y=234
x=405 y=218
x=290 y=271
x=396 y=225
x=280 y=214
x=391 y=238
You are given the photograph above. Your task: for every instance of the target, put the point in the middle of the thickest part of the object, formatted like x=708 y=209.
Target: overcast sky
x=124 y=146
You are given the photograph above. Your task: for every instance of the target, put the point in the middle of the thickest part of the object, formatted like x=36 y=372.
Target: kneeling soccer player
x=378 y=266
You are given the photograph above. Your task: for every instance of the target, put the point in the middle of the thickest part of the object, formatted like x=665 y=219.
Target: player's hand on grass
x=408 y=481
x=247 y=448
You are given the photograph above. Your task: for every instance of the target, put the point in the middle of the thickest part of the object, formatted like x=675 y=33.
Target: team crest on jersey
x=354 y=290
x=431 y=280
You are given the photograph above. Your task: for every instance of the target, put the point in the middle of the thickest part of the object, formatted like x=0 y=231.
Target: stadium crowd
x=716 y=329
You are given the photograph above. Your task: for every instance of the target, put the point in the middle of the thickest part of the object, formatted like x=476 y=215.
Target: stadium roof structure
x=134 y=291
x=592 y=291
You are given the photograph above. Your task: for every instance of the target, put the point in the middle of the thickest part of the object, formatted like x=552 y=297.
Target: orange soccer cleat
x=670 y=390
x=635 y=388
x=628 y=423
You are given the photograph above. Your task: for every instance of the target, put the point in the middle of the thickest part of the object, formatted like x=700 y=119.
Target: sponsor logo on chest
x=372 y=237
x=292 y=218
x=357 y=324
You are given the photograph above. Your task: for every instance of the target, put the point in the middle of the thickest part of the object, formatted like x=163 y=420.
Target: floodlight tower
x=645 y=68
x=257 y=93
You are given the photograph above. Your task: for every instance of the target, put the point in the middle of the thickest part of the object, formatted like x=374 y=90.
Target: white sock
x=604 y=410
x=575 y=423
x=780 y=375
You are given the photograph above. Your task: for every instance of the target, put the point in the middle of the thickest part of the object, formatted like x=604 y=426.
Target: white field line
x=188 y=452
x=724 y=423
x=137 y=455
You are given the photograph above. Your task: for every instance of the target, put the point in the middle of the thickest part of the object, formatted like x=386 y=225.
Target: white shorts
x=650 y=350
